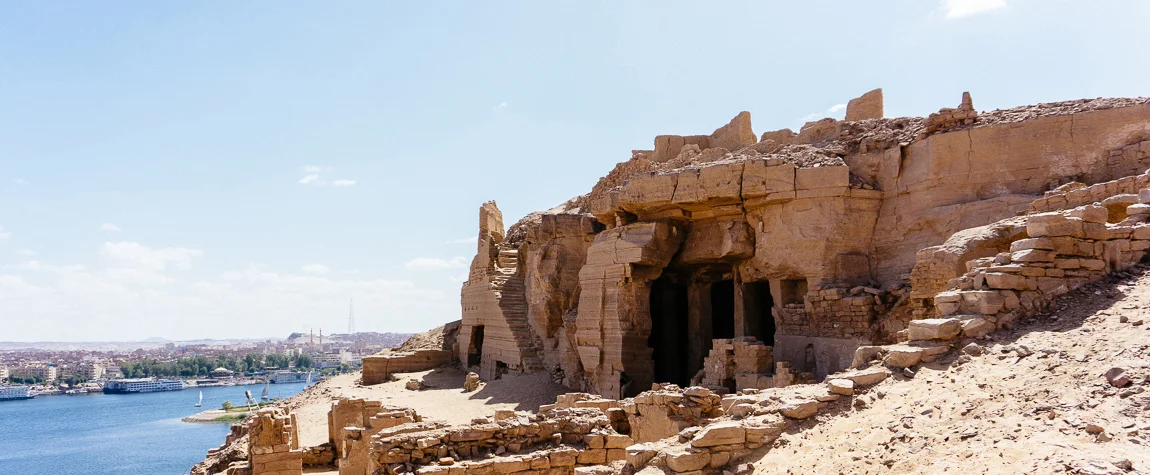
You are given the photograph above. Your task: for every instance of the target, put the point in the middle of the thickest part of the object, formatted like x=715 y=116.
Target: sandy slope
x=1002 y=413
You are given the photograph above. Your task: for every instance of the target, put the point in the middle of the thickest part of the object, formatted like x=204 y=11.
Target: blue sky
x=243 y=169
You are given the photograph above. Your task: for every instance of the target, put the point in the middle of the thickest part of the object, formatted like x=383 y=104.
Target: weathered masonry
x=740 y=261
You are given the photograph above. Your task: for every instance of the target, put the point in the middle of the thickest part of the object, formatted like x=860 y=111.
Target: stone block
x=799 y=409
x=1090 y=213
x=977 y=327
x=822 y=177
x=1138 y=209
x=1032 y=243
x=688 y=460
x=934 y=329
x=723 y=433
x=1032 y=255
x=982 y=301
x=842 y=387
x=761 y=179
x=902 y=357
x=866 y=377
x=996 y=280
x=1053 y=224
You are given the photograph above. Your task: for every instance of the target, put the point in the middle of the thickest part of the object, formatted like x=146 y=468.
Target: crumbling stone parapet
x=273 y=444
x=866 y=106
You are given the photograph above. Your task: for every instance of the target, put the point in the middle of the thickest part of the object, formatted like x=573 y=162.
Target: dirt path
x=1033 y=402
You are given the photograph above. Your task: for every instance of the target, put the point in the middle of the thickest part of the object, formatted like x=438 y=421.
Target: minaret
x=351 y=318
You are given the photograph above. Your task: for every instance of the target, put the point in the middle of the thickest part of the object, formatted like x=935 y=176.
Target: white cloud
x=21 y=181
x=964 y=8
x=315 y=176
x=465 y=240
x=109 y=227
x=435 y=263
x=26 y=252
x=4 y=234
x=500 y=106
x=132 y=255
x=316 y=269
x=835 y=111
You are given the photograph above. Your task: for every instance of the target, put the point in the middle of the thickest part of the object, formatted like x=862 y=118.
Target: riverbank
x=225 y=416
x=216 y=416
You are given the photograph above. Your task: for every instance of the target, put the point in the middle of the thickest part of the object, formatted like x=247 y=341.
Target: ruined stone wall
x=379 y=368
x=1062 y=252
x=274 y=444
x=560 y=438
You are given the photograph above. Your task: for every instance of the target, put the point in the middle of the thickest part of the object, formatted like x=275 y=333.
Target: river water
x=115 y=433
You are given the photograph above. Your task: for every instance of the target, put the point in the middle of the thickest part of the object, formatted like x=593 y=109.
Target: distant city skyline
x=238 y=170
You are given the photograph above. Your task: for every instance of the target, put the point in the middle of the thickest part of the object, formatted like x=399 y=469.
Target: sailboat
x=307 y=383
x=201 y=403
x=264 y=396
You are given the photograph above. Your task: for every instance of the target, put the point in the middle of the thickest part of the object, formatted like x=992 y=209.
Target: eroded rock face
x=814 y=243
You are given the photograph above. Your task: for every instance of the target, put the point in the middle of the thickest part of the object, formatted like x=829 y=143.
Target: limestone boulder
x=471 y=382
x=977 y=327
x=934 y=329
x=688 y=460
x=842 y=387
x=799 y=409
x=866 y=377
x=723 y=433
x=902 y=357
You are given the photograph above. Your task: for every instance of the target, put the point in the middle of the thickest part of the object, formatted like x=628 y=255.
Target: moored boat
x=15 y=393
x=142 y=385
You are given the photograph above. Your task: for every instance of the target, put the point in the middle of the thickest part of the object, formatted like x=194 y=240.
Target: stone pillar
x=698 y=325
x=272 y=437
x=742 y=326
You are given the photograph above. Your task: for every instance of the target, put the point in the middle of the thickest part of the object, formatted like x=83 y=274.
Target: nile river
x=114 y=433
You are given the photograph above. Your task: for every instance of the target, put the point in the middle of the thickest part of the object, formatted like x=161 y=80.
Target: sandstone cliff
x=804 y=241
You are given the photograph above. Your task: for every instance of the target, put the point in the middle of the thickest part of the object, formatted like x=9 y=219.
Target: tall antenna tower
x=351 y=317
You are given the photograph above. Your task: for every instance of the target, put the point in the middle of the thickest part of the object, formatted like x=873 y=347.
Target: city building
x=332 y=360
x=90 y=370
x=3 y=372
x=42 y=371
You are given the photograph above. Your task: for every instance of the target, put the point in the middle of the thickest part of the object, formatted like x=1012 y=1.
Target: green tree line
x=202 y=366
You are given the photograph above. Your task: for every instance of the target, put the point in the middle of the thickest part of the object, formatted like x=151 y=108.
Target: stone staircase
x=511 y=293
